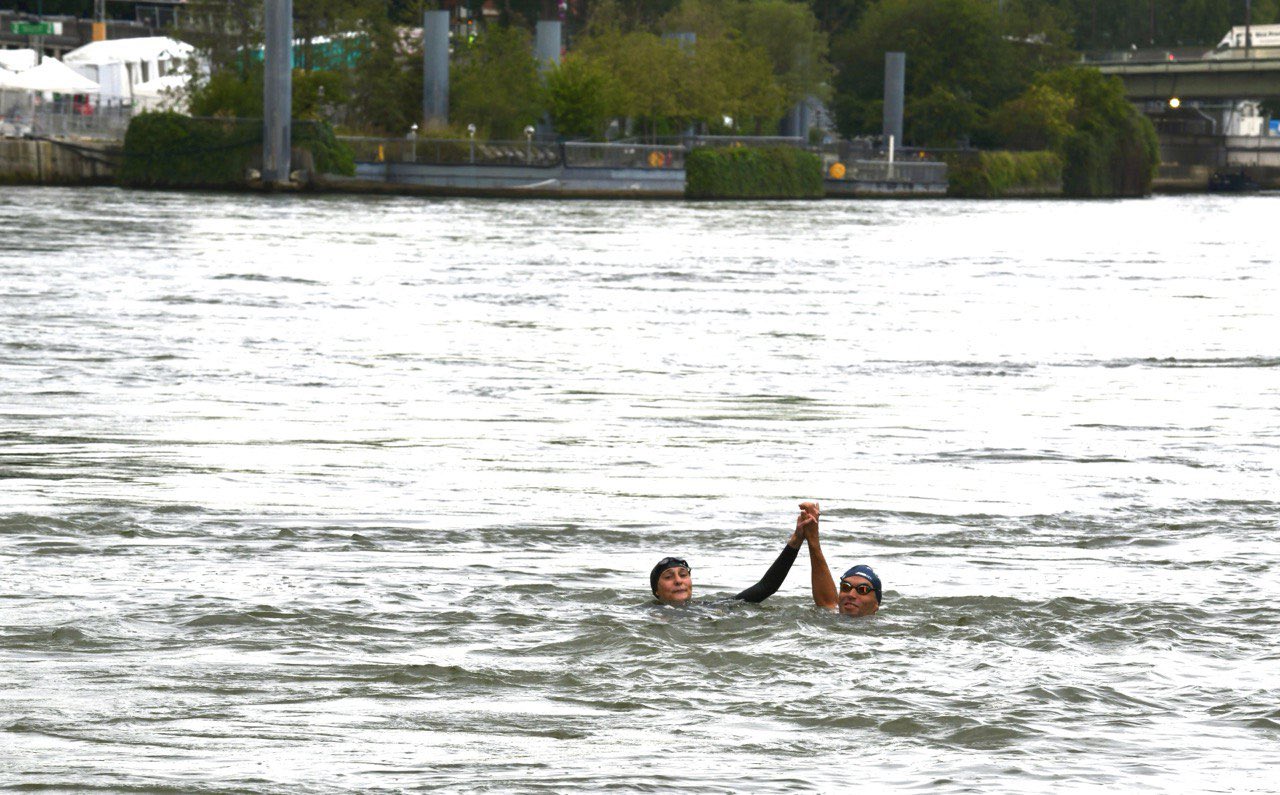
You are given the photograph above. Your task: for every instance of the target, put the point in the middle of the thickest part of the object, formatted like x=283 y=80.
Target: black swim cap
x=663 y=565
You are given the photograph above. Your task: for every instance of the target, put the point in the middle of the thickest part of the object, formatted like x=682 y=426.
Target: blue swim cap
x=865 y=572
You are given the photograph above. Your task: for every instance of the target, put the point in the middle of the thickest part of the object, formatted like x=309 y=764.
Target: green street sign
x=32 y=28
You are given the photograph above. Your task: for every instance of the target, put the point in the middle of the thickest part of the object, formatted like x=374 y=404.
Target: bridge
x=1203 y=79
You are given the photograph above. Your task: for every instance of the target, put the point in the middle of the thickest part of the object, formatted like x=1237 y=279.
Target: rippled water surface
x=329 y=494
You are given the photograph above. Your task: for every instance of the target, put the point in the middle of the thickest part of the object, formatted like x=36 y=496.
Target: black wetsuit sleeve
x=772 y=579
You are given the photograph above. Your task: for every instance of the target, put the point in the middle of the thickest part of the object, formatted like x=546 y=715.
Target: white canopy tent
x=52 y=76
x=23 y=93
x=162 y=93
x=17 y=60
x=118 y=65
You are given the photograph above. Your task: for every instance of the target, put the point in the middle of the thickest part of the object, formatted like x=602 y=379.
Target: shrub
x=172 y=150
x=753 y=173
x=1112 y=149
x=995 y=174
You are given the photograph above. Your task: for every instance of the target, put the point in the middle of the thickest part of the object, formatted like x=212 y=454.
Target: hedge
x=172 y=150
x=777 y=172
x=1119 y=160
x=995 y=174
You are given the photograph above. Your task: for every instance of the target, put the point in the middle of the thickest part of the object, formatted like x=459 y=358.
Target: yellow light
x=1174 y=102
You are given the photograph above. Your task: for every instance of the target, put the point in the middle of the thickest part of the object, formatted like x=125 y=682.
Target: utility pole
x=277 y=93
x=1248 y=33
x=99 y=20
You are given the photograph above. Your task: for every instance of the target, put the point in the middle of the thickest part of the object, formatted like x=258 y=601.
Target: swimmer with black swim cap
x=672 y=579
x=860 y=589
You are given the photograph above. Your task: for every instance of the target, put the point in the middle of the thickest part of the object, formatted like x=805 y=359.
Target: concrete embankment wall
x=40 y=162
x=552 y=181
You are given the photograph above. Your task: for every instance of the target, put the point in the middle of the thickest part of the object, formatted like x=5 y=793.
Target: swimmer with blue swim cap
x=860 y=590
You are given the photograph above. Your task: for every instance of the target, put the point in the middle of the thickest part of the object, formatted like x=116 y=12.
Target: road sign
x=36 y=28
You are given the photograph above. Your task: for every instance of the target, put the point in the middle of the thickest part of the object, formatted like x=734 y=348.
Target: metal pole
x=546 y=47
x=277 y=98
x=435 y=68
x=895 y=84
x=1248 y=20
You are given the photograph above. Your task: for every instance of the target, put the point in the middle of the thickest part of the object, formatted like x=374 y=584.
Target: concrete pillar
x=687 y=41
x=685 y=38
x=435 y=68
x=799 y=120
x=895 y=86
x=547 y=42
x=277 y=99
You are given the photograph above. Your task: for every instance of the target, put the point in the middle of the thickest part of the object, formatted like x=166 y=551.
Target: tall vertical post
x=99 y=20
x=435 y=68
x=895 y=86
x=546 y=45
x=687 y=41
x=546 y=52
x=277 y=99
x=1248 y=28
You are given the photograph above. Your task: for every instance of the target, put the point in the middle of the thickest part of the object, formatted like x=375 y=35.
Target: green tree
x=580 y=94
x=646 y=69
x=224 y=32
x=726 y=77
x=385 y=81
x=494 y=83
x=954 y=48
x=942 y=117
x=1112 y=148
x=1040 y=118
x=789 y=34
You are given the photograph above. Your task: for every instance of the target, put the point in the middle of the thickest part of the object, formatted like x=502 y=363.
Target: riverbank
x=25 y=161
x=57 y=162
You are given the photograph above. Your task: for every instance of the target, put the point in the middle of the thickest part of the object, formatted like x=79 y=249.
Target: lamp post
x=1248 y=24
x=528 y=143
x=471 y=133
x=413 y=143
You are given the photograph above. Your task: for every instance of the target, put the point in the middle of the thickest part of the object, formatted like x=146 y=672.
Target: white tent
x=17 y=60
x=162 y=93
x=52 y=75
x=6 y=76
x=117 y=65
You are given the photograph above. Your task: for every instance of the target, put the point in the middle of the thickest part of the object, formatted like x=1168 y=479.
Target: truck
x=1264 y=42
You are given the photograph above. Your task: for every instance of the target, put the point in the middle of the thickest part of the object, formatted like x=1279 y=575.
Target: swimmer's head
x=671 y=581
x=860 y=591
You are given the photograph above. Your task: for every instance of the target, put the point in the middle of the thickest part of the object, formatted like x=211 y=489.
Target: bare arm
x=822 y=583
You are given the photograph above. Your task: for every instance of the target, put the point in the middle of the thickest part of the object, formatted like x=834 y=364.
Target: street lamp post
x=413 y=143
x=471 y=133
x=528 y=143
x=1248 y=20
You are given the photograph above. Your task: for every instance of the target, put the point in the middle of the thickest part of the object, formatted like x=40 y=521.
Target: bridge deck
x=1227 y=78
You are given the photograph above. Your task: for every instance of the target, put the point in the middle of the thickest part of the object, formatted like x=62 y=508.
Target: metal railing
x=592 y=155
x=899 y=171
x=749 y=140
x=66 y=119
x=452 y=151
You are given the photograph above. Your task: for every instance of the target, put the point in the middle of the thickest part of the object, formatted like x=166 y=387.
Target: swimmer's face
x=852 y=601
x=675 y=586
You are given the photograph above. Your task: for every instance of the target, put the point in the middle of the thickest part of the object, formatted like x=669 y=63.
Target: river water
x=335 y=494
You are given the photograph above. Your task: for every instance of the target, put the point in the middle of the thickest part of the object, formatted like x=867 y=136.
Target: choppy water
x=347 y=494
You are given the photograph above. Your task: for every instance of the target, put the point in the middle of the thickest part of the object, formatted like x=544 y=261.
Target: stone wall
x=26 y=161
